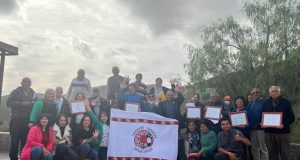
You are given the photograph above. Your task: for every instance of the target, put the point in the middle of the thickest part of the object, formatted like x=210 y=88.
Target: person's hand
x=199 y=153
x=232 y=156
x=157 y=100
x=26 y=103
x=45 y=151
x=127 y=79
x=96 y=133
x=123 y=84
x=281 y=126
x=83 y=141
x=30 y=125
x=86 y=104
x=238 y=137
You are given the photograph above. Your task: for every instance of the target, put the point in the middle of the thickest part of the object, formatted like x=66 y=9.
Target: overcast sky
x=55 y=38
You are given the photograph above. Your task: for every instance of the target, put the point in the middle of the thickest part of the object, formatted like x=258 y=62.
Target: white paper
x=78 y=118
x=190 y=105
x=272 y=120
x=238 y=119
x=193 y=113
x=132 y=107
x=212 y=112
x=77 y=107
x=215 y=121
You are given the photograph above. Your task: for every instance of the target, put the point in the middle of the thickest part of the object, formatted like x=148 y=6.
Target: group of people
x=47 y=128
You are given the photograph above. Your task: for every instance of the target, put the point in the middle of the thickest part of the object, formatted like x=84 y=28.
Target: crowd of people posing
x=47 y=128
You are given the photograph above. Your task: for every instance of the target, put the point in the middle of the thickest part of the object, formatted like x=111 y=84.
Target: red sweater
x=35 y=139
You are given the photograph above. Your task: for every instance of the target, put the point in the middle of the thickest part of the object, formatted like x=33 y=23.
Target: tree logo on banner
x=144 y=139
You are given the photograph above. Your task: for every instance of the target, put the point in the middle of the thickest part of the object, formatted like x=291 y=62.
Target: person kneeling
x=85 y=138
x=230 y=142
x=39 y=143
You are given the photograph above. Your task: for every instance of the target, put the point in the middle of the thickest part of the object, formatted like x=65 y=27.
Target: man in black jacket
x=278 y=139
x=20 y=101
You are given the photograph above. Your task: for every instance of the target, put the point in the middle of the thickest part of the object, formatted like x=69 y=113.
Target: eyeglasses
x=255 y=92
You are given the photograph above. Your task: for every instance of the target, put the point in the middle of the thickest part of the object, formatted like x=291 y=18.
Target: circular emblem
x=143 y=139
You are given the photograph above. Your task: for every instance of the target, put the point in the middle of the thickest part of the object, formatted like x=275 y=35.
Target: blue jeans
x=86 y=151
x=37 y=154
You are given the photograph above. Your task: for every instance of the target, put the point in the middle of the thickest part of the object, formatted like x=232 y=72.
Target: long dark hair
x=59 y=117
x=92 y=126
x=196 y=122
x=108 y=117
x=38 y=121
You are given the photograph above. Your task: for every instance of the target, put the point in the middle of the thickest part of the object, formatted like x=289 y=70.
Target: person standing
x=98 y=104
x=61 y=103
x=113 y=84
x=20 y=101
x=257 y=135
x=80 y=84
x=278 y=139
x=139 y=86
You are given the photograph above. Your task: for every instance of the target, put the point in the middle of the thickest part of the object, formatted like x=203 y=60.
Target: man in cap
x=257 y=135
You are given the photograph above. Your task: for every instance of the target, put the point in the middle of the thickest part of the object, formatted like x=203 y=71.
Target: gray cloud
x=163 y=16
x=7 y=6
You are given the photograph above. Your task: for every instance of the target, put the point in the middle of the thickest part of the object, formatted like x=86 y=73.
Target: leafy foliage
x=234 y=58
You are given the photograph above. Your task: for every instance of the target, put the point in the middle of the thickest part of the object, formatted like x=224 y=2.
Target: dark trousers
x=63 y=152
x=86 y=151
x=102 y=153
x=278 y=146
x=18 y=132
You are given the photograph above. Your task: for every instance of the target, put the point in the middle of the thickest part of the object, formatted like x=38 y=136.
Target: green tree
x=234 y=58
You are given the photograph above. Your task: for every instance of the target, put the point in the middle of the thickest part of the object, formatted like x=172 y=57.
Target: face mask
x=227 y=102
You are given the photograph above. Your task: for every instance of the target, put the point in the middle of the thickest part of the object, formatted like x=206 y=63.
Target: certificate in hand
x=271 y=120
x=193 y=113
x=213 y=112
x=132 y=107
x=238 y=118
x=77 y=107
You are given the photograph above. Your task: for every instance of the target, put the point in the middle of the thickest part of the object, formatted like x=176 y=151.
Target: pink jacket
x=35 y=139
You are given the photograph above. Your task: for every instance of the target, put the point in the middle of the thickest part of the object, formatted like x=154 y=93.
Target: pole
x=1 y=71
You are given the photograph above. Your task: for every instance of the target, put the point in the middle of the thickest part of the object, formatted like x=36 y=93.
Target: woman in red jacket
x=39 y=141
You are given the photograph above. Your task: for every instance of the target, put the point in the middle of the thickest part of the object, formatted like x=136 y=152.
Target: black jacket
x=175 y=103
x=288 y=116
x=14 y=101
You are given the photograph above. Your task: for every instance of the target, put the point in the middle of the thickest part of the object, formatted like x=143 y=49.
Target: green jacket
x=37 y=110
x=98 y=125
x=208 y=141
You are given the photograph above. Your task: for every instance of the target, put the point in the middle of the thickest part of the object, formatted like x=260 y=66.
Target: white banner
x=142 y=136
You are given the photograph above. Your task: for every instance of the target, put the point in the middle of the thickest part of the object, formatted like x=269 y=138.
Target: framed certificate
x=193 y=112
x=213 y=112
x=132 y=107
x=271 y=120
x=238 y=118
x=77 y=107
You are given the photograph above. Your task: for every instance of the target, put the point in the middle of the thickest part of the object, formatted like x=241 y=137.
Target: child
x=104 y=142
